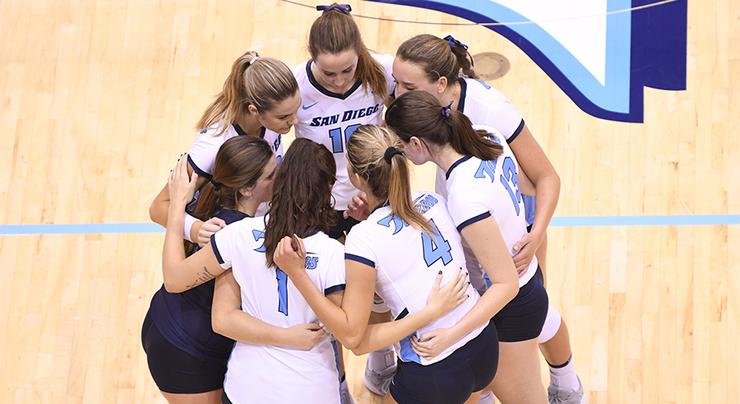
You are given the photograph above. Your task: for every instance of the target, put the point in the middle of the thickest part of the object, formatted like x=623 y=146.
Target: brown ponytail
x=388 y=177
x=438 y=57
x=259 y=81
x=335 y=32
x=418 y=114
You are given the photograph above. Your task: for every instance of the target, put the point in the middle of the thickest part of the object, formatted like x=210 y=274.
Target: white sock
x=486 y=397
x=381 y=359
x=564 y=376
x=551 y=326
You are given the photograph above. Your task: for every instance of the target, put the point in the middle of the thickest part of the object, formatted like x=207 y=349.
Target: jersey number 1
x=337 y=142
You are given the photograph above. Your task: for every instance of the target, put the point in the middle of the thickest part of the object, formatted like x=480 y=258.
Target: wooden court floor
x=98 y=98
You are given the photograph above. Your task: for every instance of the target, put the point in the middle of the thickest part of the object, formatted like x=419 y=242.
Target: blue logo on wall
x=599 y=54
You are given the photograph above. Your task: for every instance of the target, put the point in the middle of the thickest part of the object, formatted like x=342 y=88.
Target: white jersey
x=329 y=119
x=484 y=105
x=480 y=189
x=407 y=261
x=269 y=374
x=202 y=155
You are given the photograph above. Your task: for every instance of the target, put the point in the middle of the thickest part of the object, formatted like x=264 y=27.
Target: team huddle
x=274 y=258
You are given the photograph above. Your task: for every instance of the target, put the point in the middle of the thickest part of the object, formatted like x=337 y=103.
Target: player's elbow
x=511 y=289
x=218 y=321
x=359 y=349
x=153 y=211
x=351 y=341
x=173 y=285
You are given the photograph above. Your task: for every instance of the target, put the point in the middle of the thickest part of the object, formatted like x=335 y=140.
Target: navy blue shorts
x=453 y=379
x=523 y=317
x=176 y=371
x=342 y=226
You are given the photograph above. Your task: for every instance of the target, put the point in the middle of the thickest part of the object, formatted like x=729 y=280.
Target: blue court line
x=558 y=221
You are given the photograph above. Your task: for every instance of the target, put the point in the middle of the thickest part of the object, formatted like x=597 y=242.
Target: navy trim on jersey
x=215 y=249
x=473 y=220
x=198 y=170
x=239 y=130
x=334 y=289
x=403 y=314
x=230 y=215
x=326 y=92
x=463 y=93
x=516 y=132
x=359 y=259
x=455 y=164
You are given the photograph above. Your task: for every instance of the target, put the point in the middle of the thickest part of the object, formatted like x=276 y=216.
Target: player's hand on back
x=524 y=250
x=305 y=336
x=209 y=228
x=358 y=208
x=290 y=256
x=181 y=186
x=432 y=343
x=443 y=299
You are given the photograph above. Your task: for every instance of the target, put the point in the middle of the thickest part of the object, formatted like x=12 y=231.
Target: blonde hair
x=259 y=81
x=366 y=153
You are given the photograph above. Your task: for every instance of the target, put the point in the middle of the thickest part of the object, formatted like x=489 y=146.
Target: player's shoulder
x=216 y=132
x=300 y=71
x=321 y=244
x=427 y=203
x=479 y=89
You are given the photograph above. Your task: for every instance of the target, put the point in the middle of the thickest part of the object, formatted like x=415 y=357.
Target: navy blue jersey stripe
x=215 y=249
x=516 y=132
x=472 y=220
x=326 y=92
x=198 y=170
x=455 y=164
x=334 y=289
x=463 y=93
x=361 y=260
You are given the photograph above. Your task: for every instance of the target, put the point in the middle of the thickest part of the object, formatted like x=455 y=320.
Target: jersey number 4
x=435 y=247
x=337 y=140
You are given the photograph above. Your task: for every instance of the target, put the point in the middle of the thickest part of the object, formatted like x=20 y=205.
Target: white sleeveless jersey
x=480 y=189
x=407 y=261
x=329 y=119
x=202 y=155
x=484 y=105
x=269 y=374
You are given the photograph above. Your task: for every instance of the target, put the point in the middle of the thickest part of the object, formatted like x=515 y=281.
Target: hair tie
x=454 y=42
x=216 y=185
x=390 y=152
x=342 y=8
x=447 y=111
x=251 y=62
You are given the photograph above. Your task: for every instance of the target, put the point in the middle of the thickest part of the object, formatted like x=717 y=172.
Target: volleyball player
x=443 y=68
x=484 y=199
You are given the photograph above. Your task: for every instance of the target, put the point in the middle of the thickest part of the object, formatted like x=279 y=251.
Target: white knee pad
x=551 y=326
